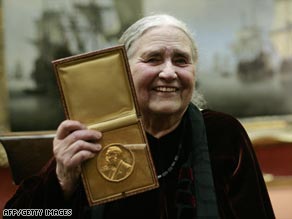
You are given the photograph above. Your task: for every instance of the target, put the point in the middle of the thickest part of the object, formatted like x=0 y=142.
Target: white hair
x=137 y=29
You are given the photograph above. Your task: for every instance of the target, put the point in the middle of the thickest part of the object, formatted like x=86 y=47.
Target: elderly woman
x=204 y=159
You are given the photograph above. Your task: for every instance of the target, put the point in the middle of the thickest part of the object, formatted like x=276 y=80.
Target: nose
x=168 y=72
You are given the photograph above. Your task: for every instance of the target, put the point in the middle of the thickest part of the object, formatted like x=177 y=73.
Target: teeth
x=165 y=89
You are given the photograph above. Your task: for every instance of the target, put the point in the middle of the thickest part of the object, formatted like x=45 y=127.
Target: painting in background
x=39 y=31
x=245 y=49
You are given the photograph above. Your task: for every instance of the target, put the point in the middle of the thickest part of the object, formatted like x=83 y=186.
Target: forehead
x=162 y=38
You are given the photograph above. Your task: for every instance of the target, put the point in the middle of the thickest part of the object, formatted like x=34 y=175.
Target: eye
x=181 y=61
x=153 y=60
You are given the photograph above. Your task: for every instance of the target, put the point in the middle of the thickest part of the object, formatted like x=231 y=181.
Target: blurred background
x=245 y=65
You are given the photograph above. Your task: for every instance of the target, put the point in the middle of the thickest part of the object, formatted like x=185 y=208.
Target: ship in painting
x=81 y=26
x=62 y=33
x=255 y=55
x=261 y=54
x=281 y=36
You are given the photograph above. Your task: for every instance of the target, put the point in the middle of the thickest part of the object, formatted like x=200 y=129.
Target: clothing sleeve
x=43 y=191
x=240 y=187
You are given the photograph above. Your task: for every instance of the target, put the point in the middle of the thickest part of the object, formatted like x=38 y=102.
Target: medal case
x=97 y=89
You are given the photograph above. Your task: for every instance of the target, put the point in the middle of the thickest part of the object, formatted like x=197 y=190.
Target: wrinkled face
x=163 y=70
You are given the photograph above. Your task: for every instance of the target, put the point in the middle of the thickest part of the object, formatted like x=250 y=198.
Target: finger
x=83 y=135
x=83 y=146
x=67 y=127
x=77 y=159
x=77 y=141
x=65 y=155
x=81 y=156
x=86 y=135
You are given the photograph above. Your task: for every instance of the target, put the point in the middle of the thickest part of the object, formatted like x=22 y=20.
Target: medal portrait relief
x=115 y=162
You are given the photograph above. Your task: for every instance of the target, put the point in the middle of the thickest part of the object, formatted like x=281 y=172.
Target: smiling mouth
x=166 y=89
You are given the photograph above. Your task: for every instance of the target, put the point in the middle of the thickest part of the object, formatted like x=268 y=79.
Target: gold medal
x=115 y=162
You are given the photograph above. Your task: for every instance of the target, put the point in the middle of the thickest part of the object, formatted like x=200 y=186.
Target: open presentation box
x=97 y=90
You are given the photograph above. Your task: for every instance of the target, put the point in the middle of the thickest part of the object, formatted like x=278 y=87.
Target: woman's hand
x=73 y=144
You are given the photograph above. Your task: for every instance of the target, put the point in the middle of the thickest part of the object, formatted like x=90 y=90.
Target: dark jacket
x=240 y=189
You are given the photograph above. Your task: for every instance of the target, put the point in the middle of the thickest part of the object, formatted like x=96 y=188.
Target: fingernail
x=99 y=135
x=98 y=147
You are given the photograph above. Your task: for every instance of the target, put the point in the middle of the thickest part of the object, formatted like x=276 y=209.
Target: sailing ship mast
x=281 y=34
x=254 y=54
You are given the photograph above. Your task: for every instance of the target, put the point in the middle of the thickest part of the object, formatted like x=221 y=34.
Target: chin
x=167 y=109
